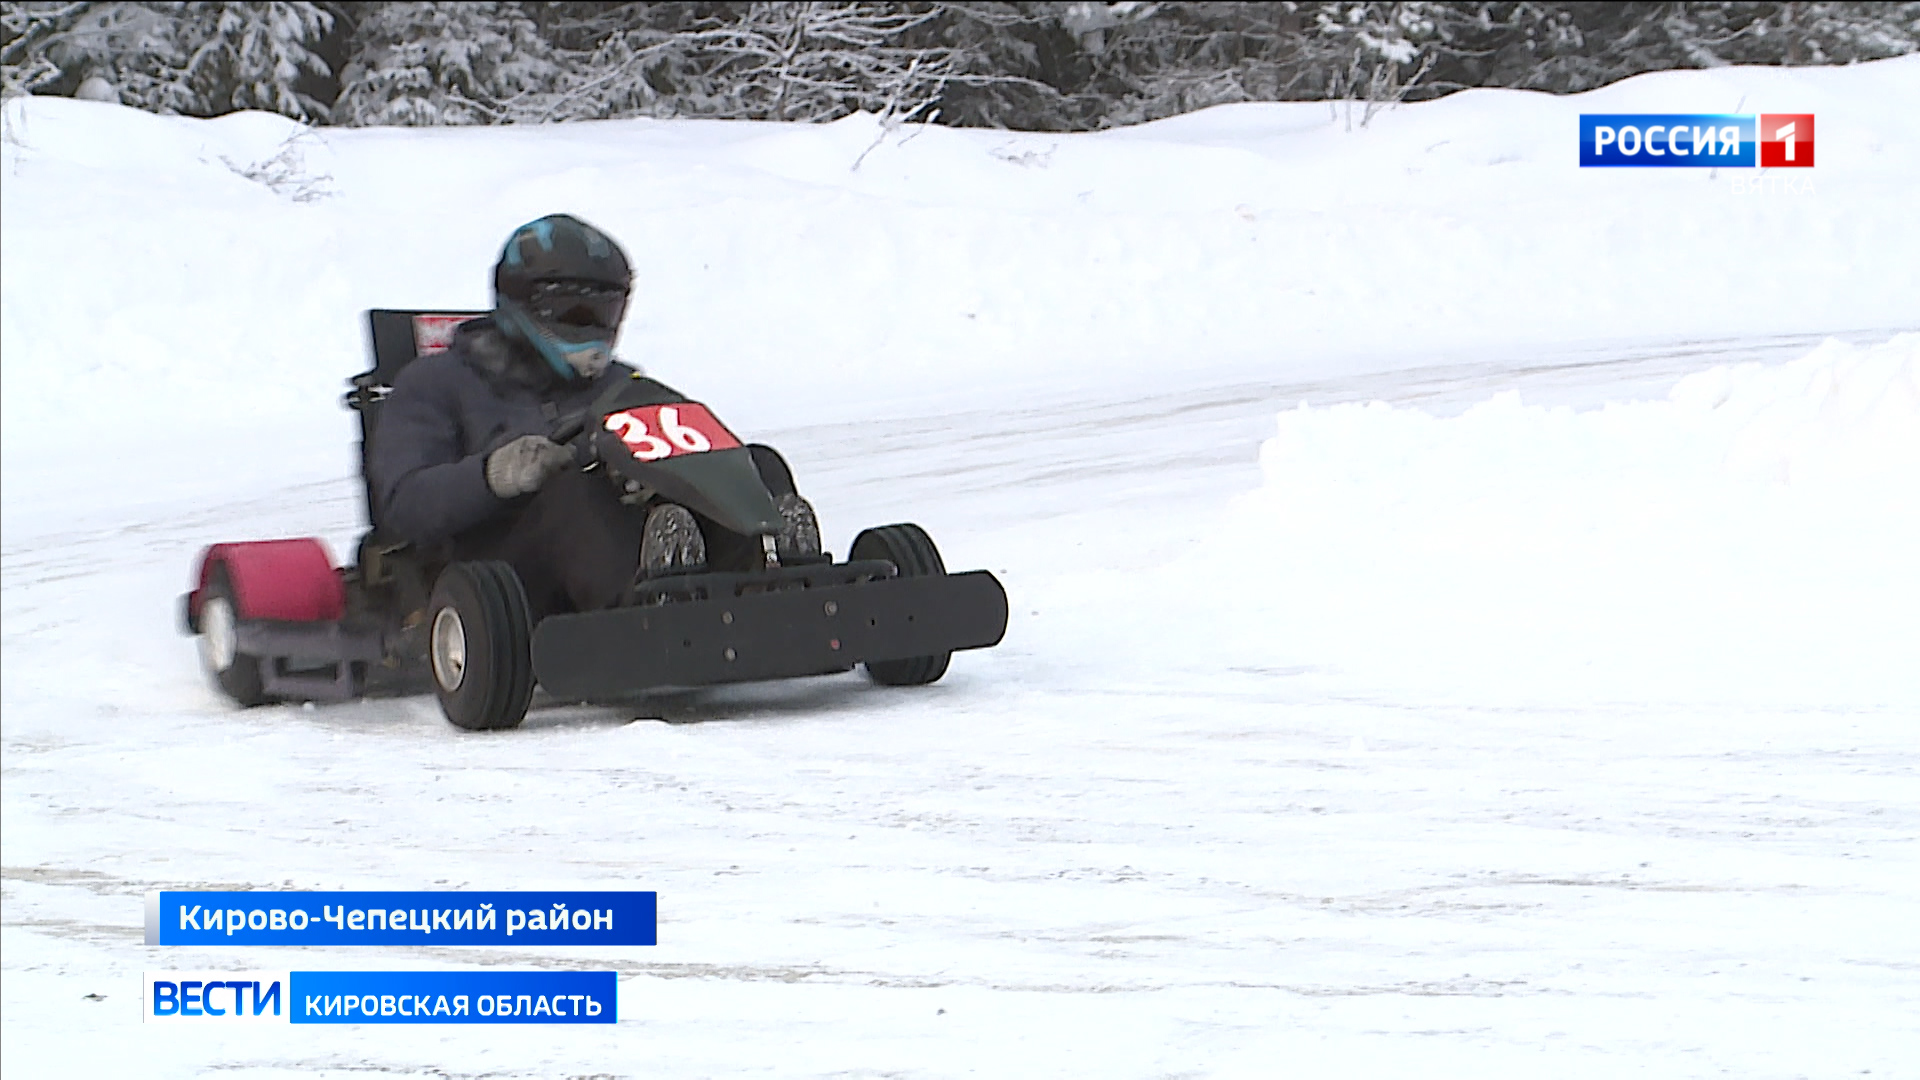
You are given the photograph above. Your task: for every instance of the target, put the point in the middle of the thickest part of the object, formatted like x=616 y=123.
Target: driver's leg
x=575 y=546
x=800 y=531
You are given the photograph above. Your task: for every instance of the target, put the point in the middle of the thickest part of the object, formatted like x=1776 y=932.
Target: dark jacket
x=447 y=412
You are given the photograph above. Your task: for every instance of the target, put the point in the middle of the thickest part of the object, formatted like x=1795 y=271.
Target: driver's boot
x=671 y=543
x=799 y=539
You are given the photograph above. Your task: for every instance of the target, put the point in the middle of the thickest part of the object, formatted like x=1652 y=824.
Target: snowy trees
x=764 y=61
x=199 y=58
x=465 y=63
x=442 y=63
x=1102 y=64
x=987 y=63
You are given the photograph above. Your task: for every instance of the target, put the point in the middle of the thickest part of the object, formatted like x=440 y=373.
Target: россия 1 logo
x=1698 y=141
x=1786 y=141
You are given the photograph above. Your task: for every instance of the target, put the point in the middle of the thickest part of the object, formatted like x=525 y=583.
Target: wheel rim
x=449 y=649
x=219 y=637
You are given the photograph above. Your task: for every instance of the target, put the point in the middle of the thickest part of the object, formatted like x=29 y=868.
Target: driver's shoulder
x=432 y=372
x=477 y=361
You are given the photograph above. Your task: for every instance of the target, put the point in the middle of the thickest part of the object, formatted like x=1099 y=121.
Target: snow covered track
x=1453 y=735
x=1241 y=874
x=1088 y=860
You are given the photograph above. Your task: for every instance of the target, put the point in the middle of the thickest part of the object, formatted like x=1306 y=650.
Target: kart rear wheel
x=479 y=646
x=909 y=548
x=237 y=674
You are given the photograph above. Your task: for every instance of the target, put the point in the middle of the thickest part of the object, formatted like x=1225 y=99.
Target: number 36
x=647 y=446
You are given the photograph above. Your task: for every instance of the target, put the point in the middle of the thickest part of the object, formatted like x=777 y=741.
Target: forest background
x=1023 y=66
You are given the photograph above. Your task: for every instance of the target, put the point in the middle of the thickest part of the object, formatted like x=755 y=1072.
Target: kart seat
x=398 y=338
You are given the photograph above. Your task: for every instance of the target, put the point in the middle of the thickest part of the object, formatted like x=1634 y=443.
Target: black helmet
x=561 y=287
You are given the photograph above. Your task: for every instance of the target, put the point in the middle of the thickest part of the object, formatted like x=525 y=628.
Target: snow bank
x=217 y=269
x=1753 y=537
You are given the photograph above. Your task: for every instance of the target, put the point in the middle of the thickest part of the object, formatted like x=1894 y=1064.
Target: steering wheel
x=576 y=434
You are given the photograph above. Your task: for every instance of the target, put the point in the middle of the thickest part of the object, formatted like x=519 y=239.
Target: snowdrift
x=1750 y=539
x=216 y=269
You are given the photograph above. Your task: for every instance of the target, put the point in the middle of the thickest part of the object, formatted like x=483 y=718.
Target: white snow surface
x=1466 y=609
x=1750 y=539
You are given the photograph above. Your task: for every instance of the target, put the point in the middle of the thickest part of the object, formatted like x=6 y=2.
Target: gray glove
x=521 y=466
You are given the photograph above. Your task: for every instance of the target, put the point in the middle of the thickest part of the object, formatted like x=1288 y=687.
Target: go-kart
x=277 y=621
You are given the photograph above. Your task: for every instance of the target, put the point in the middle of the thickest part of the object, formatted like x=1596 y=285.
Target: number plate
x=656 y=432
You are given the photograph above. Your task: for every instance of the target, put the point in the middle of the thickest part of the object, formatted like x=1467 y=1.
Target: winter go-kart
x=277 y=621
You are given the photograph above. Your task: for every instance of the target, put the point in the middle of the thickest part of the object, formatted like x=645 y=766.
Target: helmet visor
x=577 y=306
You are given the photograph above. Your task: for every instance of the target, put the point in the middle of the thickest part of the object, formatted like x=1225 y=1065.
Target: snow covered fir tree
x=1027 y=66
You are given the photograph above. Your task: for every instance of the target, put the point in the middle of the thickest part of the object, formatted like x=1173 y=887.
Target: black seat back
x=397 y=338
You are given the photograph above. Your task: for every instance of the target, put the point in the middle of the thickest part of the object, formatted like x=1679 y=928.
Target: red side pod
x=286 y=580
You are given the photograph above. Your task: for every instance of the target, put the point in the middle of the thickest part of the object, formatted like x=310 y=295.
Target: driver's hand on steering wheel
x=521 y=466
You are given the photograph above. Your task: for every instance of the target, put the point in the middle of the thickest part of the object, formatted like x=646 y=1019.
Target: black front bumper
x=818 y=622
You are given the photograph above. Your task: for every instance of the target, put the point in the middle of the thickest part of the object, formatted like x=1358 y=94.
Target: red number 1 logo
x=1786 y=140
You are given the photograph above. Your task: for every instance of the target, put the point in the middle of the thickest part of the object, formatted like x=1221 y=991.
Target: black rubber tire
x=773 y=469
x=240 y=679
x=909 y=548
x=490 y=686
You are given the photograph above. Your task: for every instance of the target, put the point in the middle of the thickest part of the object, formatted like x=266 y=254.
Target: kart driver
x=462 y=459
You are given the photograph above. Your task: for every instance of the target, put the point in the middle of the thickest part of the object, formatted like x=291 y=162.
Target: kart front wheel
x=909 y=548
x=479 y=634
x=237 y=674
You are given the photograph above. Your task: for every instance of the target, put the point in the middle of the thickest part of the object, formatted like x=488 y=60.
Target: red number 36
x=654 y=432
